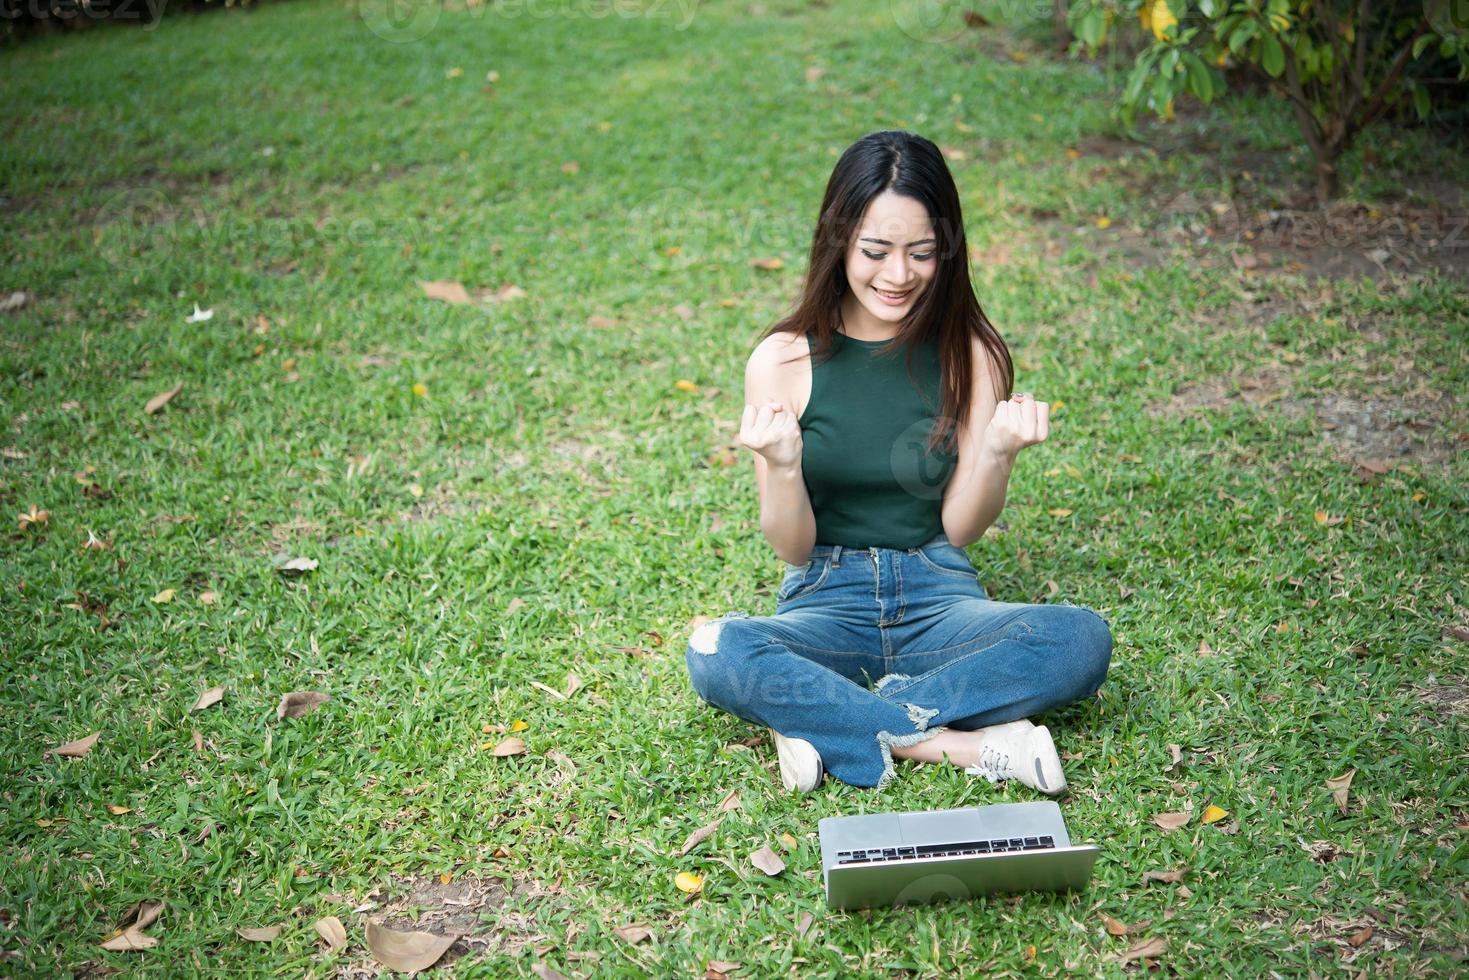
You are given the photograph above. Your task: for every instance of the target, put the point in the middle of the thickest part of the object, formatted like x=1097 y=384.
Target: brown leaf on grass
x=634 y=933
x=692 y=841
x=1460 y=633
x=1340 y=787
x=212 y=696
x=505 y=293
x=198 y=737
x=545 y=972
x=1150 y=948
x=1114 y=927
x=448 y=290
x=129 y=935
x=295 y=704
x=718 y=968
x=158 y=401
x=1171 y=821
x=1360 y=937
x=264 y=934
x=117 y=809
x=549 y=690
x=573 y=683
x=332 y=932
x=769 y=265
x=79 y=748
x=731 y=802
x=406 y=951
x=33 y=518
x=801 y=927
x=767 y=861
x=1168 y=877
x=1176 y=754
x=514 y=745
x=1204 y=649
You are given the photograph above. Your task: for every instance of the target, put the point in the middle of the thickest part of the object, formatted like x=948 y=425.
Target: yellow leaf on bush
x=1156 y=17
x=1213 y=814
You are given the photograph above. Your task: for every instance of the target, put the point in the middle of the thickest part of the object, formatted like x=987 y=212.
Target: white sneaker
x=800 y=764
x=1027 y=755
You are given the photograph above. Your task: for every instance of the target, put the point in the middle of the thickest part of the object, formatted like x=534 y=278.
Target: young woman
x=884 y=433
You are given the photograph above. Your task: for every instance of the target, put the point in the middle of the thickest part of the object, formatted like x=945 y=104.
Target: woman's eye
x=876 y=256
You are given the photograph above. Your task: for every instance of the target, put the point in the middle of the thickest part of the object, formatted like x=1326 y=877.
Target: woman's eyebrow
x=883 y=241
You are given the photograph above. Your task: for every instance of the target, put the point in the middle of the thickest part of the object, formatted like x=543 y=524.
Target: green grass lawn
x=501 y=495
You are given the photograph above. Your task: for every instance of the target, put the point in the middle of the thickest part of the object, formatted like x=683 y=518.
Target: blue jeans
x=872 y=648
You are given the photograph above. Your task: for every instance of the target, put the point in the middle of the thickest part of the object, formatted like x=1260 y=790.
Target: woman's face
x=894 y=252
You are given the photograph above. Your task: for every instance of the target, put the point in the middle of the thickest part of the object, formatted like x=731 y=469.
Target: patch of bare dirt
x=459 y=907
x=1449 y=697
x=1377 y=433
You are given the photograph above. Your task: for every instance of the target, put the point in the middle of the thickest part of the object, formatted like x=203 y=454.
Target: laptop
x=932 y=855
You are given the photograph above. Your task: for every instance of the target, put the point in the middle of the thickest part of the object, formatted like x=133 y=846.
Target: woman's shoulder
x=777 y=350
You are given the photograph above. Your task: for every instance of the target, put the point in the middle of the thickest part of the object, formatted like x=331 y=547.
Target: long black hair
x=947 y=312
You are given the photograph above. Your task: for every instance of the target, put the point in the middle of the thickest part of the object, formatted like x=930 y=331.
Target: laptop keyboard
x=1001 y=845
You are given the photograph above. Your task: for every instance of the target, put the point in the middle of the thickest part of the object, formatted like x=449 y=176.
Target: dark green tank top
x=864 y=431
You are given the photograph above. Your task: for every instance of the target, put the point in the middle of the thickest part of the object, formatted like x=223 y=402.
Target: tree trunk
x=1063 y=30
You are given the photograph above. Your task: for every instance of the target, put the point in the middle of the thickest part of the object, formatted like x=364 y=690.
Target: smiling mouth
x=883 y=292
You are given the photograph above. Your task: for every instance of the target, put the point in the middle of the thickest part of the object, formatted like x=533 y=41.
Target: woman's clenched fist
x=1018 y=422
x=772 y=432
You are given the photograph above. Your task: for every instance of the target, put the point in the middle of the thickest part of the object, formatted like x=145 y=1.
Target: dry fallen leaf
x=158 y=401
x=519 y=725
x=1340 y=787
x=1170 y=821
x=768 y=264
x=1176 y=754
x=448 y=290
x=198 y=741
x=34 y=518
x=1060 y=511
x=510 y=746
x=1360 y=937
x=687 y=881
x=1164 y=876
x=545 y=972
x=332 y=932
x=264 y=934
x=117 y=809
x=79 y=748
x=634 y=933
x=731 y=802
x=295 y=704
x=1213 y=814
x=297 y=565
x=208 y=597
x=806 y=919
x=212 y=696
x=129 y=935
x=692 y=841
x=1147 y=948
x=767 y=861
x=1114 y=927
x=406 y=951
x=165 y=596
